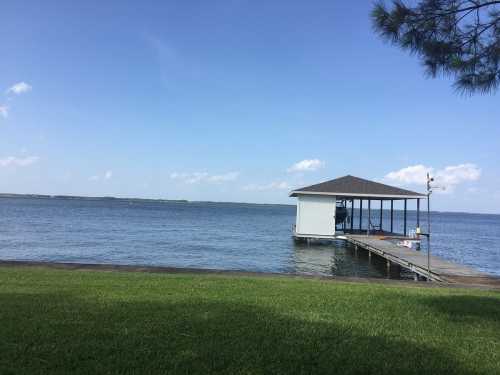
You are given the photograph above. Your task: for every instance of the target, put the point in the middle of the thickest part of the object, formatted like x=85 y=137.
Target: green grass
x=54 y=321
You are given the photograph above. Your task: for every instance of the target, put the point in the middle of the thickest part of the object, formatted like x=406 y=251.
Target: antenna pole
x=429 y=191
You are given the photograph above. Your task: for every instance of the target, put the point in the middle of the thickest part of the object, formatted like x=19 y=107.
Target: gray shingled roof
x=350 y=186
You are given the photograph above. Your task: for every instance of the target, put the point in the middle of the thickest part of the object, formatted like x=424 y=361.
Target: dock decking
x=415 y=261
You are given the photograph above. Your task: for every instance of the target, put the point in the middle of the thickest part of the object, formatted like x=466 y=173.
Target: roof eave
x=353 y=195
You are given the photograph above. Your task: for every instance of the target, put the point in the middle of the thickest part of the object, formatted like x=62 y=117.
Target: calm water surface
x=225 y=236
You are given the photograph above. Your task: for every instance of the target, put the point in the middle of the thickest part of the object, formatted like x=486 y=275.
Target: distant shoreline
x=110 y=198
x=78 y=197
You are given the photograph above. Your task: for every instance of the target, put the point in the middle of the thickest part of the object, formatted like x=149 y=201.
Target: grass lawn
x=89 y=322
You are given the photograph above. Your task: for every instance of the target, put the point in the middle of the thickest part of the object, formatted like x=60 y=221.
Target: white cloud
x=4 y=111
x=106 y=176
x=306 y=165
x=448 y=177
x=230 y=176
x=415 y=174
x=19 y=88
x=276 y=185
x=198 y=177
x=456 y=174
x=189 y=178
x=12 y=161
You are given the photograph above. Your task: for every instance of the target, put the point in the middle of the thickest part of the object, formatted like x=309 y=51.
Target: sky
x=229 y=100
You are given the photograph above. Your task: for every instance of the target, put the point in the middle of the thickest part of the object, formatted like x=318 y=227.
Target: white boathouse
x=323 y=209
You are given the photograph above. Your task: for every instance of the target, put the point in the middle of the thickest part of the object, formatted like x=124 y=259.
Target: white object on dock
x=410 y=244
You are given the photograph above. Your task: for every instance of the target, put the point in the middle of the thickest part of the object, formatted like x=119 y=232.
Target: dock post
x=415 y=276
x=381 y=213
x=392 y=215
x=369 y=256
x=406 y=202
x=388 y=265
x=369 y=216
x=360 y=215
x=418 y=213
x=352 y=214
x=343 y=223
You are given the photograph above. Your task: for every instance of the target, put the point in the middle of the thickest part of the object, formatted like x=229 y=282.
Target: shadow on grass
x=60 y=333
x=461 y=308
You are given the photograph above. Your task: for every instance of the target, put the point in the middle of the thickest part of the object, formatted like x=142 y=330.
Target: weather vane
x=430 y=188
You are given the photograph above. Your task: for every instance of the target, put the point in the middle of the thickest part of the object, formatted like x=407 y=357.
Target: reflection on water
x=339 y=258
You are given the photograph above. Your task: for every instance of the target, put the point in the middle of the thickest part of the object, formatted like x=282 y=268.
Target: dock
x=415 y=261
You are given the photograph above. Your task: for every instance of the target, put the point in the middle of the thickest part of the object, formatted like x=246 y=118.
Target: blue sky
x=229 y=101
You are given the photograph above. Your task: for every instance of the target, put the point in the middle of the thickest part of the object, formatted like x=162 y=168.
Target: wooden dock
x=416 y=261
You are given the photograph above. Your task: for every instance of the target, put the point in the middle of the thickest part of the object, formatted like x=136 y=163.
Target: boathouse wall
x=316 y=215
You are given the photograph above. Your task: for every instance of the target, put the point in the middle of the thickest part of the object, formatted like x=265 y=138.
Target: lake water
x=225 y=236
